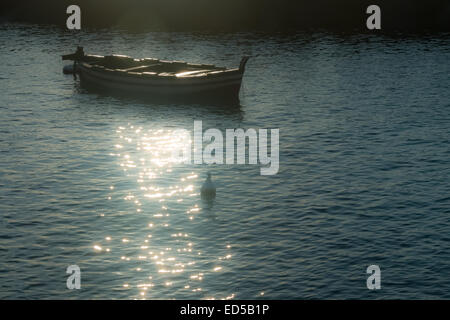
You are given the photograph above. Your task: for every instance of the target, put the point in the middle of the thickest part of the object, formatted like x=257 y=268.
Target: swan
x=208 y=190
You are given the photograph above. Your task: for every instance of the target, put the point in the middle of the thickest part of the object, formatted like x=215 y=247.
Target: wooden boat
x=156 y=77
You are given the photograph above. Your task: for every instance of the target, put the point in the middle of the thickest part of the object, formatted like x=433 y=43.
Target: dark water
x=364 y=171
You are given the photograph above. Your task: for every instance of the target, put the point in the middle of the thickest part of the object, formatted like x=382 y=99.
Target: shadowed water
x=86 y=178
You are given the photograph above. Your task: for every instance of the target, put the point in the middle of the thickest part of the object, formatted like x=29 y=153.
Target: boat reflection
x=185 y=107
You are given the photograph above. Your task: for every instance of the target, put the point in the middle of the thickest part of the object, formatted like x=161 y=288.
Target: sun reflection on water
x=160 y=251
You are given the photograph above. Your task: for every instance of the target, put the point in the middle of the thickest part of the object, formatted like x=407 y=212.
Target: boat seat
x=165 y=74
x=139 y=67
x=190 y=73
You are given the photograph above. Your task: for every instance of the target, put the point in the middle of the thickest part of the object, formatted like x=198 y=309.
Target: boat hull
x=156 y=78
x=227 y=85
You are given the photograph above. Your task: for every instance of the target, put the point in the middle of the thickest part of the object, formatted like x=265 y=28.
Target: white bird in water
x=208 y=190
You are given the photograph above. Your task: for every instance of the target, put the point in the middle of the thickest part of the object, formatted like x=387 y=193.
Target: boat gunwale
x=213 y=73
x=98 y=59
x=161 y=80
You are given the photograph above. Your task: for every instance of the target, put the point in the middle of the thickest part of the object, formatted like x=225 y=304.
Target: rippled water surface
x=364 y=174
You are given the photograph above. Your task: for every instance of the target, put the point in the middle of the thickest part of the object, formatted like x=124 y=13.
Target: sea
x=86 y=178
